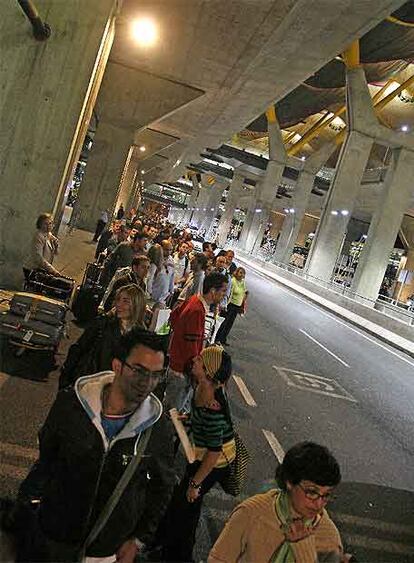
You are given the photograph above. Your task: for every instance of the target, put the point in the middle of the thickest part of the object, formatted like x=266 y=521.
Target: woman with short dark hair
x=289 y=524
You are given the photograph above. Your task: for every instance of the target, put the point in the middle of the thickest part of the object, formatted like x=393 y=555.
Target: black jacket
x=77 y=471
x=93 y=351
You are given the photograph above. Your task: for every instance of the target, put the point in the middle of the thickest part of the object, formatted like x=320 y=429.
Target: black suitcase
x=92 y=273
x=35 y=307
x=86 y=302
x=31 y=333
x=56 y=287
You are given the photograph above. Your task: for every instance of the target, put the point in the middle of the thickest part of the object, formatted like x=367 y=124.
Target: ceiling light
x=142 y=148
x=212 y=209
x=258 y=210
x=303 y=157
x=344 y=212
x=145 y=32
x=334 y=212
x=404 y=128
x=291 y=210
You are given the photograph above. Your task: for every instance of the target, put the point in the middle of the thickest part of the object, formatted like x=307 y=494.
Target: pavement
x=301 y=374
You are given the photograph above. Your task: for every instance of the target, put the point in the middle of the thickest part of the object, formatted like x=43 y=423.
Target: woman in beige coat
x=290 y=524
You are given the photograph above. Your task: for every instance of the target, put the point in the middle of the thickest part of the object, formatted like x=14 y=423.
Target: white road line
x=274 y=444
x=247 y=396
x=334 y=318
x=324 y=347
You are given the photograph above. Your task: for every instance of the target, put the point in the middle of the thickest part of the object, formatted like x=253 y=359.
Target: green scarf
x=285 y=553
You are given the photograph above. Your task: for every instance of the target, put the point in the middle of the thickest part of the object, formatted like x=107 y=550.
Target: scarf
x=285 y=553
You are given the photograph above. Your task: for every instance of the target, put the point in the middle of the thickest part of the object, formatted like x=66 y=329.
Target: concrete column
x=247 y=221
x=293 y=221
x=126 y=186
x=192 y=200
x=106 y=163
x=266 y=192
x=231 y=204
x=201 y=205
x=345 y=187
x=212 y=207
x=385 y=224
x=44 y=88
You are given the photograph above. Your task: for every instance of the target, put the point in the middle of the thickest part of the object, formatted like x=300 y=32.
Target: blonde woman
x=94 y=350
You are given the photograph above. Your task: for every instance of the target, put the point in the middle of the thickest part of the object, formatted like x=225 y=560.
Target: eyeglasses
x=312 y=494
x=140 y=371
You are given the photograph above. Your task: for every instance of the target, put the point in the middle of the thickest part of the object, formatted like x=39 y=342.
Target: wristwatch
x=139 y=544
x=194 y=485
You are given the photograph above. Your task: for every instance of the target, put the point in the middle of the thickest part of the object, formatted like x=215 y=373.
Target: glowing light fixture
x=145 y=32
x=404 y=128
x=334 y=212
x=142 y=148
x=344 y=212
x=142 y=171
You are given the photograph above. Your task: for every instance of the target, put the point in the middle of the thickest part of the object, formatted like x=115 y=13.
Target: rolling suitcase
x=38 y=308
x=86 y=302
x=92 y=273
x=31 y=333
x=56 y=287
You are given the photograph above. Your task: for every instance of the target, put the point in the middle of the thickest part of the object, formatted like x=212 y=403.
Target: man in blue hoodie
x=90 y=436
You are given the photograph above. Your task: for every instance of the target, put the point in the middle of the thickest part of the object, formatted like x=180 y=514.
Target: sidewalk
x=76 y=250
x=372 y=321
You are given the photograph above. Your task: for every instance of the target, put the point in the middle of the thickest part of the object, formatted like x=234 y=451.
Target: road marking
x=247 y=396
x=314 y=383
x=8 y=470
x=324 y=347
x=363 y=522
x=19 y=451
x=274 y=444
x=383 y=546
x=343 y=323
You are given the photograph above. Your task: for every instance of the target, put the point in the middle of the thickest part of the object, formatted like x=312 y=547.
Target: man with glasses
x=90 y=436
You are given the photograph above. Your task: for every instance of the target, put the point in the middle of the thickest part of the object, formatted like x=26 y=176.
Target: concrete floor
x=332 y=384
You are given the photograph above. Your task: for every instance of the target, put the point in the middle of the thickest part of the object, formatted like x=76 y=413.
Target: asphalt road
x=308 y=376
x=315 y=377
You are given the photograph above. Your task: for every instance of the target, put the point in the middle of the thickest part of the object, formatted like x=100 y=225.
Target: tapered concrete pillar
x=106 y=163
x=127 y=183
x=364 y=129
x=293 y=221
x=251 y=206
x=230 y=206
x=346 y=184
x=45 y=87
x=266 y=191
x=201 y=205
x=212 y=207
x=189 y=213
x=385 y=224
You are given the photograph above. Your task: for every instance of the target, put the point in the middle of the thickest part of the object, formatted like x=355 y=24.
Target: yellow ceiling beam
x=309 y=135
x=271 y=114
x=351 y=56
x=397 y=21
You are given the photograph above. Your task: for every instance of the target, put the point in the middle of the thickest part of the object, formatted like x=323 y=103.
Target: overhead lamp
x=145 y=32
x=334 y=212
x=142 y=148
x=258 y=210
x=303 y=157
x=344 y=212
x=212 y=209
x=291 y=210
x=142 y=171
x=404 y=128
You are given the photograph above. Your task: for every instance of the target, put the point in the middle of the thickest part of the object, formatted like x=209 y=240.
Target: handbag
x=232 y=483
x=117 y=493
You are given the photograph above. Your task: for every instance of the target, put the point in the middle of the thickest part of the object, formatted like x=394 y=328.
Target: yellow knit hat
x=212 y=358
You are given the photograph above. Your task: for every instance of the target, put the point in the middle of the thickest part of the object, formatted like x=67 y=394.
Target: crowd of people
x=105 y=486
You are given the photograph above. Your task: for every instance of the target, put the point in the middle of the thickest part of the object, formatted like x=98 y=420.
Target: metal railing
x=386 y=306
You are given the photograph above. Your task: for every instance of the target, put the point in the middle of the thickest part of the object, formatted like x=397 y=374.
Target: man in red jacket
x=188 y=333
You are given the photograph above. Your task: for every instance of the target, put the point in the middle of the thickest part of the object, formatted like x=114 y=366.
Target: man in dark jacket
x=137 y=274
x=122 y=257
x=90 y=436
